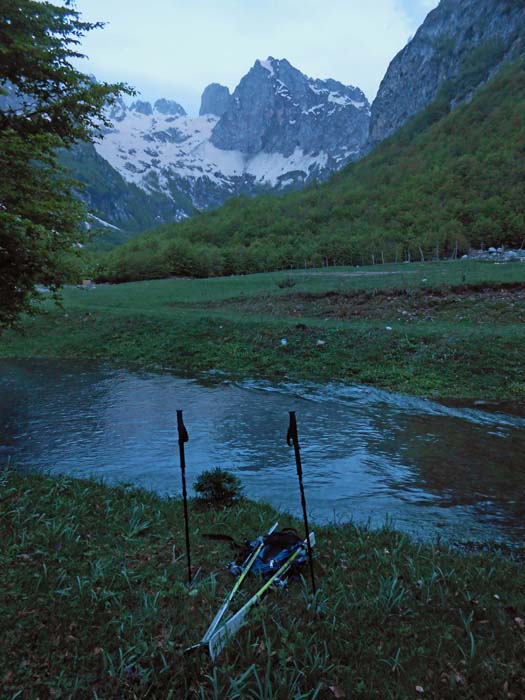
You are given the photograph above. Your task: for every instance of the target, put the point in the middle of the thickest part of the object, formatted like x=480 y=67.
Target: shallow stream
x=368 y=455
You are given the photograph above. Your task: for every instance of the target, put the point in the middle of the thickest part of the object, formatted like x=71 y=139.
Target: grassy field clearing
x=447 y=330
x=402 y=276
x=94 y=605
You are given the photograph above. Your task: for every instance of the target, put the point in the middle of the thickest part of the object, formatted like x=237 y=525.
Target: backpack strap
x=219 y=537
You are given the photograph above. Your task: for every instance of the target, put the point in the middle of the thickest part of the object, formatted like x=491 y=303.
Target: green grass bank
x=93 y=604
x=444 y=330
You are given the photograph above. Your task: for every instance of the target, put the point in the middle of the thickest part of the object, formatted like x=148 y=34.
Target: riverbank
x=442 y=330
x=95 y=605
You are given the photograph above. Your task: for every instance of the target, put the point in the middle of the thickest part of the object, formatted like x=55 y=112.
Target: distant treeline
x=444 y=183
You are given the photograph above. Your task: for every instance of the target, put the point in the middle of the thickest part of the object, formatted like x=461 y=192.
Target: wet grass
x=94 y=604
x=432 y=329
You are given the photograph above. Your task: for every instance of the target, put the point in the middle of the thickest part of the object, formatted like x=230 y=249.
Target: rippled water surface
x=368 y=455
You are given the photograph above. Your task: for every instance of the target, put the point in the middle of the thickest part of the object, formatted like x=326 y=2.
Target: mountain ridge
x=279 y=130
x=422 y=193
x=456 y=37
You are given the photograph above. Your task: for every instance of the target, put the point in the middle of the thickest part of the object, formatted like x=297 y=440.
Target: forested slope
x=106 y=194
x=446 y=181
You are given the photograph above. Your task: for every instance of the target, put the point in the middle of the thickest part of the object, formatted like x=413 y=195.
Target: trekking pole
x=183 y=437
x=293 y=439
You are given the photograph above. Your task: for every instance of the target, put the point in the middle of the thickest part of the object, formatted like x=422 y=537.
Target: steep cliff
x=278 y=109
x=215 y=100
x=461 y=42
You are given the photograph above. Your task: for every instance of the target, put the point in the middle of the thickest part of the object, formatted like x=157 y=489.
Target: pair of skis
x=219 y=633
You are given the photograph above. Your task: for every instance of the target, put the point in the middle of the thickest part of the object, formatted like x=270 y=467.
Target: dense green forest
x=446 y=182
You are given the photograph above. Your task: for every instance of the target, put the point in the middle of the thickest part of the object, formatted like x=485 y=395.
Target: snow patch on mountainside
x=267 y=65
x=142 y=145
x=100 y=221
x=279 y=129
x=338 y=99
x=271 y=167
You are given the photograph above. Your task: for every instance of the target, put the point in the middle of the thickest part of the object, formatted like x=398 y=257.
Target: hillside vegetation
x=106 y=193
x=445 y=182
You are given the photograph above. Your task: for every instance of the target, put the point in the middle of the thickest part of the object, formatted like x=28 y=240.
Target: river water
x=368 y=455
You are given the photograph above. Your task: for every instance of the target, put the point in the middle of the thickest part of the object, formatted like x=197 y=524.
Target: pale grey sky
x=174 y=48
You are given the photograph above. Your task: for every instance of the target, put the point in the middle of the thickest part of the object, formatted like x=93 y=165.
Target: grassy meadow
x=93 y=601
x=445 y=330
x=94 y=605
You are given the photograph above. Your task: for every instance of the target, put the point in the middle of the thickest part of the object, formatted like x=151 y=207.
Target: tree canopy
x=45 y=104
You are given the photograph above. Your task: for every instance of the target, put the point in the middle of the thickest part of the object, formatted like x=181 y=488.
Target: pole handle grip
x=291 y=436
x=181 y=428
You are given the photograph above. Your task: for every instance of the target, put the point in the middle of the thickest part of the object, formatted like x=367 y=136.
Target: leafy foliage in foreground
x=94 y=606
x=49 y=105
x=444 y=182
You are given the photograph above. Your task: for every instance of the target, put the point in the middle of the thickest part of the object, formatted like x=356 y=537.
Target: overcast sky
x=174 y=48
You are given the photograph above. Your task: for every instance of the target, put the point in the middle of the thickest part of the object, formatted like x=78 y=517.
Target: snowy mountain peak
x=169 y=107
x=271 y=64
x=161 y=106
x=267 y=65
x=286 y=77
x=276 y=108
x=141 y=107
x=278 y=129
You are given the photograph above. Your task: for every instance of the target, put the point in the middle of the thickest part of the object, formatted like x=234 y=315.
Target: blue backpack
x=278 y=548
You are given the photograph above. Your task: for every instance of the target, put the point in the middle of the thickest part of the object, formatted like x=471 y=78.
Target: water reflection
x=367 y=454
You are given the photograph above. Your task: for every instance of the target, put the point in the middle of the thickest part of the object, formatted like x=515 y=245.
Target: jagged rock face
x=118 y=110
x=142 y=107
x=276 y=108
x=278 y=130
x=450 y=36
x=170 y=108
x=215 y=100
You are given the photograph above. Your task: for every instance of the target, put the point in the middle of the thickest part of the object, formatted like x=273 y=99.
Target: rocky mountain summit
x=215 y=100
x=278 y=130
x=460 y=37
x=277 y=109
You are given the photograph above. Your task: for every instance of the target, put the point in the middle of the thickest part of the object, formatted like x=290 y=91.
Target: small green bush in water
x=218 y=486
